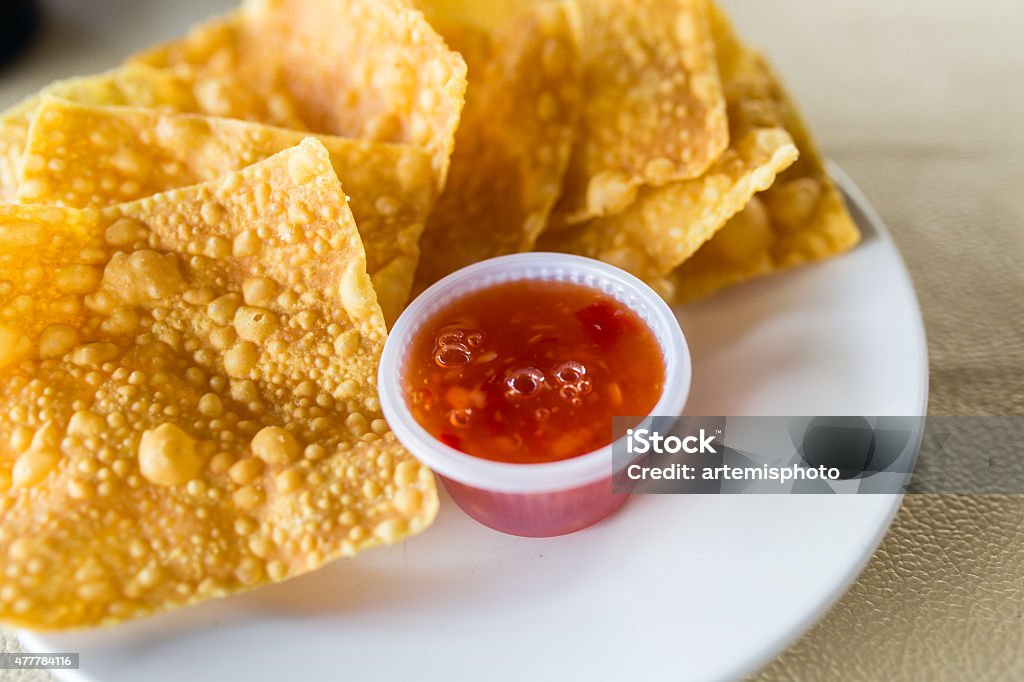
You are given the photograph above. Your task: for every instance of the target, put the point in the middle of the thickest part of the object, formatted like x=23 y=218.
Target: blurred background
x=920 y=101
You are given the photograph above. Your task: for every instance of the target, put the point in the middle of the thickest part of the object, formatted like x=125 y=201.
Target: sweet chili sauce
x=531 y=371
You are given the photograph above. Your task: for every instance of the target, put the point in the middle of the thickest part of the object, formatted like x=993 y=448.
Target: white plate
x=670 y=588
x=673 y=587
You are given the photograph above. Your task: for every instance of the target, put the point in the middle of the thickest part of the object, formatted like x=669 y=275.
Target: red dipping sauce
x=531 y=371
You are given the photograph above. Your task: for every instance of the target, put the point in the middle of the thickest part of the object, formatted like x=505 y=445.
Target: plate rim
x=860 y=206
x=855 y=199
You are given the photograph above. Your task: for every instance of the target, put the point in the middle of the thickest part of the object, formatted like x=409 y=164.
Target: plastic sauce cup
x=532 y=500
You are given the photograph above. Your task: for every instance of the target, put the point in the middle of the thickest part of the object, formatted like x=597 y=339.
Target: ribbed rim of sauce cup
x=507 y=477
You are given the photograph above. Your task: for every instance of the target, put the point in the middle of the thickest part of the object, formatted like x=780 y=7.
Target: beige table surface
x=921 y=101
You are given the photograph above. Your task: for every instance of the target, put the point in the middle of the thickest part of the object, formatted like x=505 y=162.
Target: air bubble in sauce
x=460 y=418
x=455 y=355
x=570 y=372
x=524 y=382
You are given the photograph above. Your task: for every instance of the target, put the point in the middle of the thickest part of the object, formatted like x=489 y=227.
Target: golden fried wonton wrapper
x=82 y=157
x=136 y=86
x=370 y=69
x=14 y=124
x=513 y=144
x=188 y=402
x=654 y=111
x=800 y=219
x=666 y=225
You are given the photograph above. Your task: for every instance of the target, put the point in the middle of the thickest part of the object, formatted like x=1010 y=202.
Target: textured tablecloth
x=921 y=102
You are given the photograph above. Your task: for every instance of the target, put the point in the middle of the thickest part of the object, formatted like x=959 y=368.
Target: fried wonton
x=14 y=124
x=188 y=402
x=666 y=225
x=513 y=144
x=370 y=69
x=800 y=219
x=654 y=112
x=134 y=86
x=81 y=156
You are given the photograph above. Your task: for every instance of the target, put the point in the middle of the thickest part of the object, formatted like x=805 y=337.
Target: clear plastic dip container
x=529 y=499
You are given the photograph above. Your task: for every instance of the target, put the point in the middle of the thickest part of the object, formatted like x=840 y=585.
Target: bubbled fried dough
x=513 y=142
x=665 y=226
x=188 y=405
x=91 y=157
x=138 y=86
x=654 y=110
x=800 y=219
x=369 y=69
